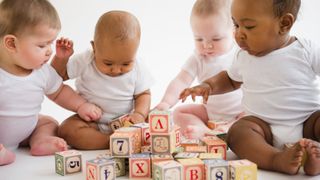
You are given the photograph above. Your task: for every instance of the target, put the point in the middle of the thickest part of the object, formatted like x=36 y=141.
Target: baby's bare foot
x=289 y=160
x=6 y=156
x=194 y=132
x=48 y=145
x=312 y=164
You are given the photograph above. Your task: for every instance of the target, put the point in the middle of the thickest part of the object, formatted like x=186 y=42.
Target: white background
x=166 y=40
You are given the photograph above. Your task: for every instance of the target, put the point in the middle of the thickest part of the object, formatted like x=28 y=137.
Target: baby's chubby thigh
x=283 y=134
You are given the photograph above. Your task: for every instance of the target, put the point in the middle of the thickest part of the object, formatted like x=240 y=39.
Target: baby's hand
x=64 y=48
x=89 y=112
x=200 y=90
x=135 y=118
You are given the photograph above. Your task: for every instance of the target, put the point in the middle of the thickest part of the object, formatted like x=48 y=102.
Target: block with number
x=192 y=168
x=216 y=169
x=165 y=170
x=140 y=166
x=160 y=121
x=163 y=143
x=100 y=169
x=125 y=141
x=242 y=169
x=68 y=162
x=215 y=145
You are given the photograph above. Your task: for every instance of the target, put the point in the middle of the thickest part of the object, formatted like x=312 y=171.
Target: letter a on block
x=159 y=124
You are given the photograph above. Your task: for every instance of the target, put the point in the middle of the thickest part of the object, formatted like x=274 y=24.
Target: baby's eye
x=41 y=46
x=199 y=39
x=108 y=64
x=216 y=39
x=249 y=27
x=126 y=64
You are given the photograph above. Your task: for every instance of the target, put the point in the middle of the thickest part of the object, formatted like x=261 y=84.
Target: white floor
x=43 y=168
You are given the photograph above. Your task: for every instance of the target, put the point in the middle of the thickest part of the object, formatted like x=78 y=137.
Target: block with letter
x=100 y=169
x=193 y=169
x=215 y=145
x=120 y=166
x=145 y=133
x=165 y=170
x=160 y=121
x=242 y=169
x=140 y=166
x=163 y=143
x=68 y=162
x=178 y=135
x=119 y=122
x=216 y=169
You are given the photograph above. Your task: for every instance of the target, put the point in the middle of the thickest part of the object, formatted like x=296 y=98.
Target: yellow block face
x=243 y=169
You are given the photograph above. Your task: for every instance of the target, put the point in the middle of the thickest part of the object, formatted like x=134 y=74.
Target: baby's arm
x=218 y=84
x=171 y=97
x=141 y=107
x=64 y=49
x=69 y=99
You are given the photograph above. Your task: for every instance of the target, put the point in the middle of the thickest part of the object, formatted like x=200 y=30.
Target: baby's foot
x=289 y=160
x=48 y=145
x=194 y=132
x=312 y=164
x=6 y=156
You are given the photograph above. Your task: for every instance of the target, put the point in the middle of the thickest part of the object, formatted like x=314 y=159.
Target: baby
x=110 y=75
x=213 y=30
x=25 y=48
x=278 y=75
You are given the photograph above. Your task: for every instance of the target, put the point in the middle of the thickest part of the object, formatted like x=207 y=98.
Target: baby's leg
x=251 y=138
x=44 y=140
x=83 y=135
x=311 y=131
x=192 y=119
x=6 y=156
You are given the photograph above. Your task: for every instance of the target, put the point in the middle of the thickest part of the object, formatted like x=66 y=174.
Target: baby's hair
x=17 y=16
x=117 y=25
x=209 y=7
x=281 y=7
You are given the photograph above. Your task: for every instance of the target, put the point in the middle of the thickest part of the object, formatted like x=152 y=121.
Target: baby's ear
x=286 y=22
x=9 y=42
x=92 y=44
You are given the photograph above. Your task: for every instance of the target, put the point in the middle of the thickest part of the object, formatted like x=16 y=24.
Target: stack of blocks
x=205 y=159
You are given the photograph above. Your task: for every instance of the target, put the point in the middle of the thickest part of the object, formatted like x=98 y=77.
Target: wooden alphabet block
x=204 y=156
x=186 y=155
x=101 y=169
x=178 y=135
x=145 y=133
x=164 y=143
x=68 y=162
x=160 y=157
x=190 y=142
x=215 y=145
x=120 y=166
x=212 y=124
x=165 y=170
x=196 y=149
x=216 y=169
x=192 y=168
x=242 y=169
x=140 y=166
x=125 y=141
x=160 y=121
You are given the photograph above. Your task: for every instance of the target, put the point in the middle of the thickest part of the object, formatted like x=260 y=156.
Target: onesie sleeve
x=77 y=63
x=191 y=66
x=234 y=71
x=144 y=79
x=52 y=79
x=314 y=57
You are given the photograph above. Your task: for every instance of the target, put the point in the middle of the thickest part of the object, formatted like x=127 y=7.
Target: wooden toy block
x=167 y=170
x=140 y=166
x=68 y=162
x=242 y=169
x=215 y=145
x=196 y=149
x=118 y=122
x=125 y=141
x=160 y=157
x=186 y=155
x=145 y=133
x=190 y=142
x=216 y=169
x=101 y=169
x=146 y=149
x=204 y=156
x=120 y=166
x=192 y=169
x=160 y=121
x=178 y=135
x=212 y=124
x=164 y=143
x=219 y=134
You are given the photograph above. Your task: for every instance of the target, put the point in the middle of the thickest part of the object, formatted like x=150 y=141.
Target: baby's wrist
x=140 y=114
x=207 y=85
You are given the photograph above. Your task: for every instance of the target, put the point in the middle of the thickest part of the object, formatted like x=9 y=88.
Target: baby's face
x=115 y=58
x=256 y=28
x=33 y=48
x=213 y=35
